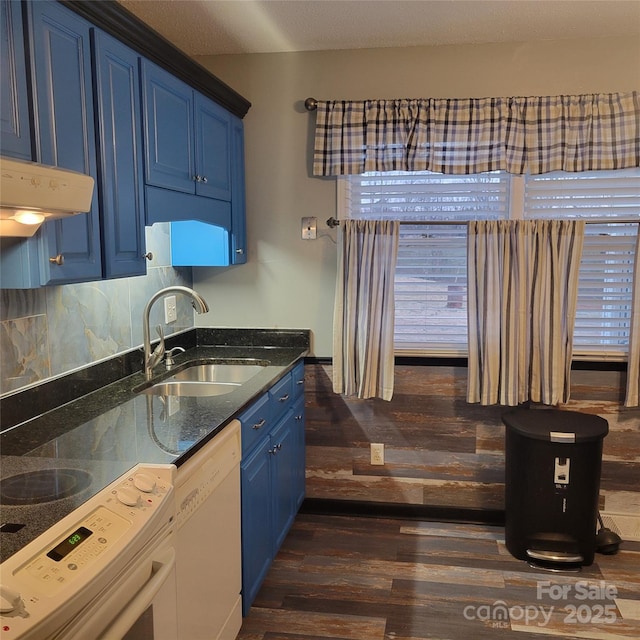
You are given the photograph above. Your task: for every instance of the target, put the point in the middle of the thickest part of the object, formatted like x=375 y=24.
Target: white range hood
x=31 y=193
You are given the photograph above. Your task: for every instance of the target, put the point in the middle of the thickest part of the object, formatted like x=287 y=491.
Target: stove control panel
x=70 y=561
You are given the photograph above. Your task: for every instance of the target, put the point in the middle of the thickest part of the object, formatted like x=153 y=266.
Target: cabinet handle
x=300 y=381
x=240 y=251
x=298 y=418
x=148 y=256
x=283 y=398
x=204 y=179
x=59 y=260
x=275 y=449
x=259 y=425
x=197 y=178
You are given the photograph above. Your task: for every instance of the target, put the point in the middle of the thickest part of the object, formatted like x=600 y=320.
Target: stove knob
x=144 y=482
x=128 y=496
x=9 y=600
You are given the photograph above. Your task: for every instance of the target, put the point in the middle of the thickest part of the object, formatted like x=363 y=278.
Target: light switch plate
x=309 y=228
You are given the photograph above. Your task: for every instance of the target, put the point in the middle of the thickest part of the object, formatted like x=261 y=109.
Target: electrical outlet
x=377 y=453
x=170 y=309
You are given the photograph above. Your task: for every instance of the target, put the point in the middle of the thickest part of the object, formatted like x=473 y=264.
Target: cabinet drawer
x=256 y=422
x=281 y=395
x=297 y=380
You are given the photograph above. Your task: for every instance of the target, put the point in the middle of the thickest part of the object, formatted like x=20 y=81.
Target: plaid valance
x=472 y=135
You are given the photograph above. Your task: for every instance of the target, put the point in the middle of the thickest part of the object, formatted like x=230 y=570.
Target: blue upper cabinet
x=213 y=149
x=169 y=130
x=238 y=236
x=74 y=97
x=121 y=184
x=63 y=102
x=187 y=137
x=87 y=110
x=196 y=244
x=15 y=130
x=187 y=151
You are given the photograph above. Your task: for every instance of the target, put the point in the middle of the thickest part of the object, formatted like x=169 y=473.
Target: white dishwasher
x=208 y=549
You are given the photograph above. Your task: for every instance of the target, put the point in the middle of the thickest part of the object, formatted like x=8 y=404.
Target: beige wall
x=288 y=282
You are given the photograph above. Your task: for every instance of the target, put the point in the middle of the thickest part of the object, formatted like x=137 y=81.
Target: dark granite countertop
x=109 y=430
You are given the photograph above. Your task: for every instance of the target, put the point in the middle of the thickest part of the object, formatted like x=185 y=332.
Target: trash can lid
x=555 y=425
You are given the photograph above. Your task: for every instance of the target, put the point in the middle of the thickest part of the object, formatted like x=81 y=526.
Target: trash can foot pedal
x=555 y=561
x=554 y=556
x=555 y=568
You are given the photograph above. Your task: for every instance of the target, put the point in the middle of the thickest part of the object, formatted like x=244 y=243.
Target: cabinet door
x=257 y=540
x=283 y=459
x=299 y=463
x=120 y=157
x=168 y=130
x=213 y=149
x=238 y=240
x=15 y=131
x=61 y=60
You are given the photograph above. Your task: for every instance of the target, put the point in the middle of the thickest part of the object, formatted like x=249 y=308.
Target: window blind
x=431 y=299
x=431 y=289
x=592 y=195
x=603 y=313
x=406 y=196
x=431 y=278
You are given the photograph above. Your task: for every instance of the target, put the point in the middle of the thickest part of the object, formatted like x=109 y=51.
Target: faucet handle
x=158 y=352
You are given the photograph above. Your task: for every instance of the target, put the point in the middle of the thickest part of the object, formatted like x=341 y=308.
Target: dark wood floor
x=360 y=578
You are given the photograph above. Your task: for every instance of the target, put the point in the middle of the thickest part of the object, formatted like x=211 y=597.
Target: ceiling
x=211 y=27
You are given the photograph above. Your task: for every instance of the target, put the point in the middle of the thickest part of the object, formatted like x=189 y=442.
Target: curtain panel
x=363 y=325
x=521 y=309
x=632 y=397
x=471 y=135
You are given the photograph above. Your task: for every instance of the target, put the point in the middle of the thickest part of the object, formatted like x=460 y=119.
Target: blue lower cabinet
x=272 y=480
x=283 y=450
x=257 y=544
x=299 y=463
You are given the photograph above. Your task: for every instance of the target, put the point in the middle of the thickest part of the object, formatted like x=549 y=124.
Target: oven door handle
x=162 y=566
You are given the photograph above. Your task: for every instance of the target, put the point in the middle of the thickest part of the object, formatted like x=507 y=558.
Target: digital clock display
x=71 y=542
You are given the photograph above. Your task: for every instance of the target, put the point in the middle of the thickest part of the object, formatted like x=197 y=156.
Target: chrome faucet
x=152 y=359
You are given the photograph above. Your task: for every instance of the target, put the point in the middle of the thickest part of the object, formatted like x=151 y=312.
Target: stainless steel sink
x=191 y=389
x=208 y=379
x=225 y=373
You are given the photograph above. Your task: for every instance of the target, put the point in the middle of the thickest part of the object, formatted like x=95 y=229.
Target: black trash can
x=552 y=483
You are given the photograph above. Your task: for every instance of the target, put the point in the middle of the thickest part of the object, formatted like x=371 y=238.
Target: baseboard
x=322 y=506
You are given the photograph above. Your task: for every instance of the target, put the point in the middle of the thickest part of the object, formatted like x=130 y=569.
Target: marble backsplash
x=50 y=331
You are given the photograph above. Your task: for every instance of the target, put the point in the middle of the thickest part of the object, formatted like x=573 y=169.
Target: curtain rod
x=334 y=222
x=310 y=104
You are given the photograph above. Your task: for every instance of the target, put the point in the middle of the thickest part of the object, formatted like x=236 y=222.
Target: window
x=431 y=314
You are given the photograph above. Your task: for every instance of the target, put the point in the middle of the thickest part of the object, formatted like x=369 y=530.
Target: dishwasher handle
x=162 y=567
